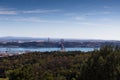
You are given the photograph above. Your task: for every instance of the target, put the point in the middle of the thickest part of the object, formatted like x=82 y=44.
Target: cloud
x=70 y=14
x=37 y=20
x=29 y=19
x=40 y=11
x=12 y=11
x=7 y=11
x=22 y=19
x=80 y=18
x=98 y=13
x=93 y=24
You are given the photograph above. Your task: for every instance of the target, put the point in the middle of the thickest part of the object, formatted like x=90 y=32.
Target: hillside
x=63 y=65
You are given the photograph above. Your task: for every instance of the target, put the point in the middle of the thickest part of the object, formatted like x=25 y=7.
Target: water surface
x=15 y=50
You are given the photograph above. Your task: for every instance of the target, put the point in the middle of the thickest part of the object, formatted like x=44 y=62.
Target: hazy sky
x=81 y=19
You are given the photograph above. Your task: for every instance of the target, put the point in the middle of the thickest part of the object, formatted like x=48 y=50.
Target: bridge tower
x=62 y=45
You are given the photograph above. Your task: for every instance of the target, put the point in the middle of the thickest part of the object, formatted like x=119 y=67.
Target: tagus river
x=15 y=50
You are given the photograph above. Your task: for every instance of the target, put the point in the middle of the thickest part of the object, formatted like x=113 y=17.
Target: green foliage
x=103 y=64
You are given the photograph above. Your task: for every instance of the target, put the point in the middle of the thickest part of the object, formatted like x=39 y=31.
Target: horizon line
x=59 y=38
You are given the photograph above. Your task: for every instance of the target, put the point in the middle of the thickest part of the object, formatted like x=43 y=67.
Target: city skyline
x=78 y=19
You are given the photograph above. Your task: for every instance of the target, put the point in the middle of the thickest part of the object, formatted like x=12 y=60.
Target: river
x=16 y=50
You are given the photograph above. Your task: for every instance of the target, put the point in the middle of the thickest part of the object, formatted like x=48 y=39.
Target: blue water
x=43 y=49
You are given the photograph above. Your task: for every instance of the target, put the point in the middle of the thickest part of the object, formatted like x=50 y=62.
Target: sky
x=78 y=19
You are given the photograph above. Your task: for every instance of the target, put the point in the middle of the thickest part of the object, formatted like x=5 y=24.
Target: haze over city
x=79 y=19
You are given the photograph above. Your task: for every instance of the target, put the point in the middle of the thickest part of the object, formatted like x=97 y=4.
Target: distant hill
x=49 y=42
x=15 y=39
x=10 y=38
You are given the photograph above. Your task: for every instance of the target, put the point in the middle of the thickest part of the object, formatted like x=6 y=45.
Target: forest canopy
x=103 y=64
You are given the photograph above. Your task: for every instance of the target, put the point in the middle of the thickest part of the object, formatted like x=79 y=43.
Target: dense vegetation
x=96 y=65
